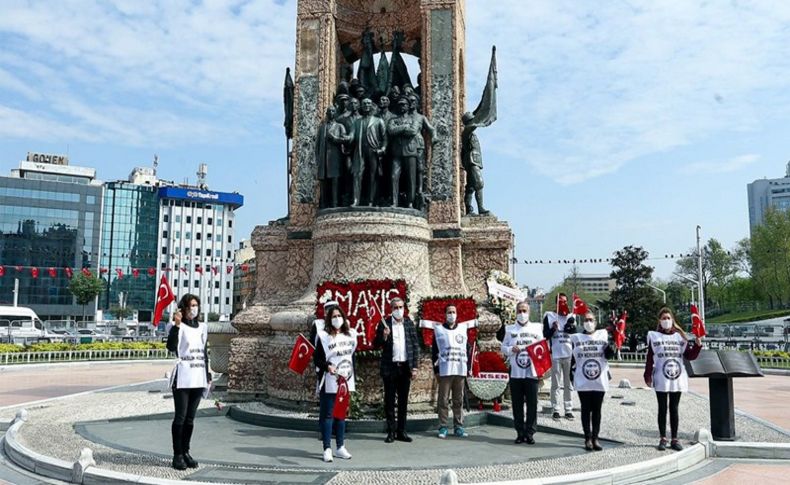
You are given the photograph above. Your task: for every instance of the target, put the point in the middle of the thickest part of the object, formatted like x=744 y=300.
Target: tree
x=569 y=286
x=770 y=256
x=122 y=312
x=213 y=317
x=631 y=292
x=85 y=289
x=719 y=270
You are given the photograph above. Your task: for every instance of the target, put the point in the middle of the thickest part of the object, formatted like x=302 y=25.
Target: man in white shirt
x=557 y=329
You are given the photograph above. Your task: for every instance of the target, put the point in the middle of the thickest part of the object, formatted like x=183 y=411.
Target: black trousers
x=524 y=391
x=186 y=404
x=674 y=399
x=591 y=401
x=397 y=383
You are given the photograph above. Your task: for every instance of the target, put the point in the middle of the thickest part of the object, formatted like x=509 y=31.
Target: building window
x=216 y=300
x=200 y=220
x=90 y=199
x=230 y=222
x=227 y=285
x=197 y=236
x=219 y=237
x=178 y=250
x=227 y=300
x=178 y=234
x=178 y=218
x=186 y=283
x=166 y=218
x=229 y=256
x=209 y=221
x=189 y=219
x=230 y=238
x=209 y=237
x=216 y=285
x=187 y=235
x=219 y=221
x=197 y=251
x=197 y=283
x=163 y=266
x=164 y=234
x=175 y=283
x=164 y=249
x=186 y=252
x=217 y=253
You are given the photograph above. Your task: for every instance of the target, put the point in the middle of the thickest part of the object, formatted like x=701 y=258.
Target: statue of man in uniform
x=472 y=163
x=329 y=156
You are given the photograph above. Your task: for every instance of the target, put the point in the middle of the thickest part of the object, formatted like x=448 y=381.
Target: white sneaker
x=343 y=453
x=328 y=455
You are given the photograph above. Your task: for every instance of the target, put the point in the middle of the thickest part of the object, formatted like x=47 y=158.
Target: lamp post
x=700 y=289
x=663 y=293
x=693 y=282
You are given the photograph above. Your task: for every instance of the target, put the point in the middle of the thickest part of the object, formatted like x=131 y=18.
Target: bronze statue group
x=579 y=361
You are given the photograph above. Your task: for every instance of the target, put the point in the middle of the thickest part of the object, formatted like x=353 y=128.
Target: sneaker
x=555 y=416
x=675 y=445
x=662 y=445
x=328 y=455
x=568 y=415
x=460 y=432
x=442 y=432
x=529 y=440
x=343 y=453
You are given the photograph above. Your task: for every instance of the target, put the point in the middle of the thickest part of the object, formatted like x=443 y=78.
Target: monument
x=377 y=187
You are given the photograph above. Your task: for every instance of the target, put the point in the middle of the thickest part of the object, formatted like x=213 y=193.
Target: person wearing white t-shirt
x=450 y=356
x=665 y=372
x=523 y=379
x=557 y=329
x=591 y=353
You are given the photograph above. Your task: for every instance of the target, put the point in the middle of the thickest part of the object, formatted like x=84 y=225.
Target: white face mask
x=337 y=322
x=193 y=312
x=666 y=323
x=451 y=318
x=589 y=327
x=397 y=314
x=522 y=317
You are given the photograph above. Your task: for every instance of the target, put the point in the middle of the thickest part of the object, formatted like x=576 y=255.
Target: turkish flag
x=540 y=355
x=164 y=297
x=199 y=269
x=475 y=361
x=697 y=325
x=103 y=270
x=2 y=270
x=184 y=269
x=374 y=317
x=151 y=271
x=86 y=271
x=215 y=270
x=579 y=307
x=135 y=272
x=619 y=330
x=34 y=272
x=53 y=273
x=229 y=268
x=301 y=354
x=119 y=272
x=69 y=272
x=342 y=399
x=562 y=306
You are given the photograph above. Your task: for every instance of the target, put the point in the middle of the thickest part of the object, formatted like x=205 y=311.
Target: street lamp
x=663 y=293
x=693 y=282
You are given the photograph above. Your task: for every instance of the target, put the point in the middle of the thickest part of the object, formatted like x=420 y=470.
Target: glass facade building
x=129 y=248
x=47 y=224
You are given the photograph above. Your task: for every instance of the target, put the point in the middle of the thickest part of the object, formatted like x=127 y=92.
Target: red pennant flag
x=2 y=270
x=164 y=297
x=374 y=318
x=697 y=325
x=53 y=273
x=342 y=399
x=34 y=272
x=215 y=270
x=540 y=355
x=184 y=269
x=562 y=306
x=245 y=267
x=86 y=272
x=199 y=269
x=18 y=268
x=619 y=330
x=103 y=270
x=301 y=354
x=69 y=272
x=135 y=272
x=151 y=271
x=475 y=360
x=119 y=272
x=229 y=268
x=579 y=307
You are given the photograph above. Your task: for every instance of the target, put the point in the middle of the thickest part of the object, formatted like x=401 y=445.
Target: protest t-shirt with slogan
x=521 y=336
x=560 y=341
x=191 y=366
x=339 y=350
x=452 y=350
x=669 y=375
x=592 y=368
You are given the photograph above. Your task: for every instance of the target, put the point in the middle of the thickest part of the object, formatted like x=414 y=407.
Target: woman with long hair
x=334 y=358
x=188 y=338
x=667 y=346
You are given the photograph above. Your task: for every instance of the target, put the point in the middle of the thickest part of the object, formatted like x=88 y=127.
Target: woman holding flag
x=334 y=359
x=667 y=346
x=591 y=352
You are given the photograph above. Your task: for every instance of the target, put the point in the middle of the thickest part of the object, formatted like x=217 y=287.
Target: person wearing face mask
x=591 y=352
x=334 y=357
x=450 y=356
x=523 y=379
x=665 y=372
x=190 y=378
x=396 y=335
x=557 y=329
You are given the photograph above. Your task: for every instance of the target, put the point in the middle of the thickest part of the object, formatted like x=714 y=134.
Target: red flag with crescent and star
x=301 y=354
x=697 y=325
x=579 y=307
x=540 y=355
x=342 y=399
x=69 y=272
x=164 y=297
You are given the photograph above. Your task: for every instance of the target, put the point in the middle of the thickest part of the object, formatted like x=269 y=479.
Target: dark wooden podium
x=720 y=367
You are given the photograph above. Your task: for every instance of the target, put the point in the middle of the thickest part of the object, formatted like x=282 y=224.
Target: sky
x=620 y=122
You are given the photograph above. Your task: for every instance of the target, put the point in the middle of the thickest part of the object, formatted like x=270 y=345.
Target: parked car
x=18 y=322
x=87 y=335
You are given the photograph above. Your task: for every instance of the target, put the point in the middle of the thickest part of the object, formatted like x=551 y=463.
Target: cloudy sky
x=621 y=122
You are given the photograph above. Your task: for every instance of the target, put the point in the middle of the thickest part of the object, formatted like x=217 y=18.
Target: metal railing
x=765 y=362
x=81 y=355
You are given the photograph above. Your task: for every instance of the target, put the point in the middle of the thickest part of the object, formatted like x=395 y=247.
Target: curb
x=80 y=363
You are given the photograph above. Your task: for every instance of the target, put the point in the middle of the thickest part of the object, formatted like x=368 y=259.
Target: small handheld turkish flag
x=562 y=305
x=697 y=325
x=540 y=355
x=579 y=307
x=151 y=271
x=2 y=270
x=34 y=272
x=86 y=272
x=164 y=297
x=301 y=354
x=374 y=317
x=119 y=272
x=342 y=399
x=135 y=272
x=475 y=360
x=53 y=273
x=69 y=272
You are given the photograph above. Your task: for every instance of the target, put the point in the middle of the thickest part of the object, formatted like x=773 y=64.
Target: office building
x=596 y=284
x=768 y=193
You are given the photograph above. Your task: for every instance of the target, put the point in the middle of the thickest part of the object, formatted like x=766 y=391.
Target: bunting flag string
x=68 y=272
x=672 y=256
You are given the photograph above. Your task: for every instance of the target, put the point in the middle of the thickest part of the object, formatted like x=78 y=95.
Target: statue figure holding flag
x=471 y=155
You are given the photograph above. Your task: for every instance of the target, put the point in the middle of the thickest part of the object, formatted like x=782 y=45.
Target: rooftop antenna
x=787 y=169
x=201 y=176
x=156 y=162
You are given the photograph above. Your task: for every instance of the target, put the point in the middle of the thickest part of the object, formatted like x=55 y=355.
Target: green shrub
x=9 y=348
x=65 y=347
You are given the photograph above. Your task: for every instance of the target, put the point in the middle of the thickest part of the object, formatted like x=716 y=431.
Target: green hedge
x=65 y=347
x=772 y=353
x=748 y=317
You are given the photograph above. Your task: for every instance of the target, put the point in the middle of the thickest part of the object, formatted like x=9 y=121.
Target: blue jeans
x=325 y=420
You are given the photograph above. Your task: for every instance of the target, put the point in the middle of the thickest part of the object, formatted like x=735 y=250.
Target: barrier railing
x=765 y=362
x=81 y=355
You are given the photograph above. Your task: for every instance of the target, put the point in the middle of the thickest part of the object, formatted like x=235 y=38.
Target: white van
x=21 y=322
